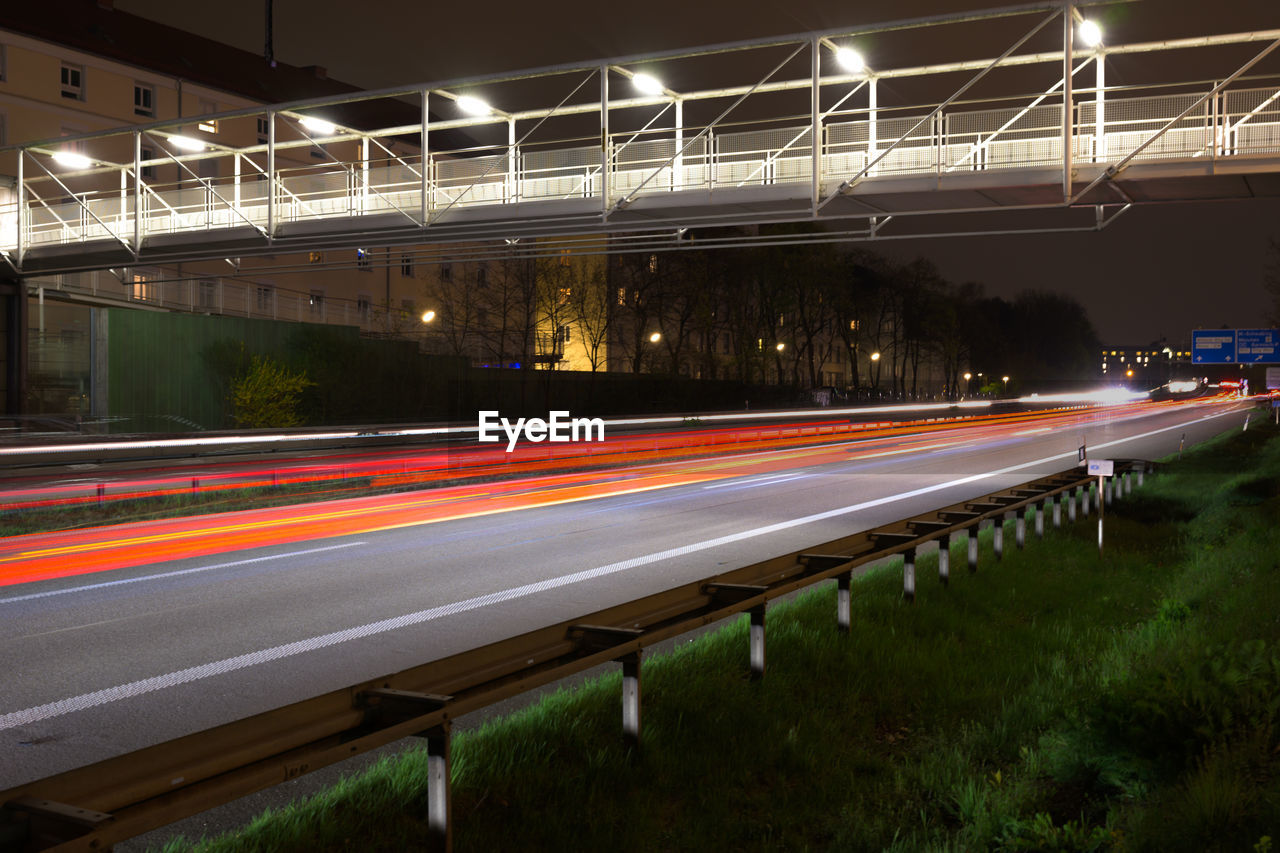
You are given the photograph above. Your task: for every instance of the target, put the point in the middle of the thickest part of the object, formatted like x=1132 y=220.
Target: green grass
x=1052 y=701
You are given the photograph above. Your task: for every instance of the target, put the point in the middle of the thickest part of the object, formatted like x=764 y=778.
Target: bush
x=267 y=395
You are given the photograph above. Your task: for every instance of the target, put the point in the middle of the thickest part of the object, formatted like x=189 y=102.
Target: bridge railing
x=1237 y=123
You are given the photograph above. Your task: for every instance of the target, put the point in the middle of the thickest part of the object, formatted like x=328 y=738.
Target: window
x=3 y=57
x=148 y=171
x=144 y=100
x=73 y=82
x=653 y=263
x=318 y=257
x=363 y=260
x=317 y=303
x=406 y=266
x=319 y=153
x=142 y=289
x=446 y=272
x=562 y=334
x=265 y=297
x=364 y=306
x=207 y=125
x=264 y=126
x=209 y=294
x=482 y=276
x=3 y=134
x=564 y=257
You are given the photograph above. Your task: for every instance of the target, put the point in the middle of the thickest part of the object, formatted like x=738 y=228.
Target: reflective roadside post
x=1102 y=469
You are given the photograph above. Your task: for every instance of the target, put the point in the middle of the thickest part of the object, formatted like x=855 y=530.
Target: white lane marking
x=757 y=481
x=132 y=689
x=1032 y=431
x=177 y=573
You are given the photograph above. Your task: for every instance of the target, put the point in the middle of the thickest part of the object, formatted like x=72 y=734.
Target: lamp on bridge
x=1090 y=33
x=647 y=84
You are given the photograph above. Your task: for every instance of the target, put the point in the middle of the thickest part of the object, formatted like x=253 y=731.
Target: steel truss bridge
x=1029 y=136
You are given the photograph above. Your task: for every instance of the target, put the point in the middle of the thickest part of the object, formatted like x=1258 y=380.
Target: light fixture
x=428 y=316
x=473 y=106
x=781 y=346
x=655 y=337
x=1090 y=33
x=647 y=84
x=850 y=60
x=875 y=356
x=317 y=125
x=186 y=143
x=968 y=376
x=1005 y=379
x=72 y=160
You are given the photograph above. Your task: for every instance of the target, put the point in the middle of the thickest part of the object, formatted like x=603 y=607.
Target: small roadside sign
x=1101 y=467
x=1273 y=378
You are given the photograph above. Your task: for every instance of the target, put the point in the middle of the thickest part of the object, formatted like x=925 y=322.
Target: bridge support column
x=1128 y=482
x=944 y=558
x=844 y=602
x=631 y=699
x=1020 y=528
x=1057 y=511
x=1040 y=513
x=997 y=536
x=909 y=575
x=13 y=346
x=757 y=642
x=973 y=548
x=1110 y=491
x=1141 y=472
x=1084 y=500
x=439 y=822
x=1070 y=495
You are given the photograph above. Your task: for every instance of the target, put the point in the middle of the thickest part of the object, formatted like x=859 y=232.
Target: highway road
x=117 y=638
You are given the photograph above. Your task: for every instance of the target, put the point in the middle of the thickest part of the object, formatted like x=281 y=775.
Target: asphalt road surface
x=97 y=663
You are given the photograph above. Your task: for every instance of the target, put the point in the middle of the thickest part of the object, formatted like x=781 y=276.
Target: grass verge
x=1052 y=701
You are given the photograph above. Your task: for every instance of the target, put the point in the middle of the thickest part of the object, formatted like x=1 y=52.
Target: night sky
x=1160 y=270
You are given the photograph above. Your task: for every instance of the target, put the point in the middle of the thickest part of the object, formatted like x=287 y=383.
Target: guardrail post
x=1040 y=512
x=439 y=824
x=909 y=575
x=1057 y=512
x=844 y=602
x=1110 y=492
x=1070 y=495
x=757 y=642
x=1020 y=527
x=944 y=558
x=973 y=548
x=997 y=536
x=1128 y=482
x=1143 y=470
x=1085 y=492
x=631 y=698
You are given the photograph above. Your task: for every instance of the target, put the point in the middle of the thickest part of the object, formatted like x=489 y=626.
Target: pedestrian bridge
x=825 y=145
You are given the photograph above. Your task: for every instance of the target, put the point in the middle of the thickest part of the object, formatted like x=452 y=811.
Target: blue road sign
x=1213 y=346
x=1258 y=346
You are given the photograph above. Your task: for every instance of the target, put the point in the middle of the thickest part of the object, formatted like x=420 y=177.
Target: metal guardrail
x=93 y=807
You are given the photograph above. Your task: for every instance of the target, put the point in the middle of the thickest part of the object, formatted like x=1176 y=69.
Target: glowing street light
x=72 y=160
x=647 y=84
x=655 y=337
x=850 y=60
x=781 y=346
x=473 y=106
x=428 y=316
x=967 y=376
x=186 y=143
x=875 y=356
x=1090 y=33
x=318 y=125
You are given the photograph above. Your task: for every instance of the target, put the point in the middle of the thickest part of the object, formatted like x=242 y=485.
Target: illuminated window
x=315 y=257
x=653 y=263
x=142 y=289
x=363 y=260
x=208 y=125
x=73 y=82
x=317 y=302
x=564 y=257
